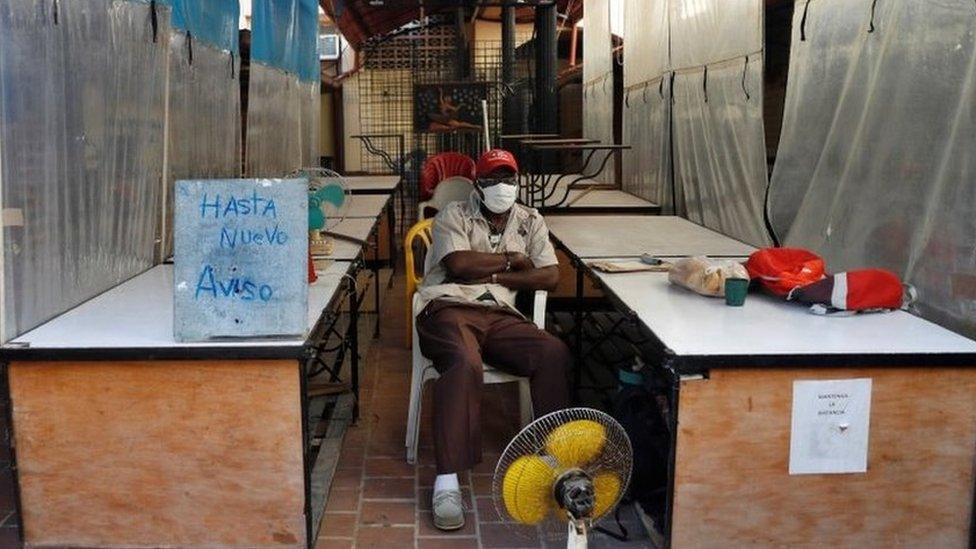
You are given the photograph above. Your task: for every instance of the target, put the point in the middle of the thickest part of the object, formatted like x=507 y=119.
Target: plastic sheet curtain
x=204 y=126
x=82 y=88
x=719 y=145
x=274 y=117
x=875 y=166
x=310 y=80
x=647 y=96
x=598 y=77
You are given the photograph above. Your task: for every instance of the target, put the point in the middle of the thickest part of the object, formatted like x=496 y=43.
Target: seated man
x=484 y=250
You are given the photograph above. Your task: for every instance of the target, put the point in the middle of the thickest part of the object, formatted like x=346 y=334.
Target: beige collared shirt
x=460 y=226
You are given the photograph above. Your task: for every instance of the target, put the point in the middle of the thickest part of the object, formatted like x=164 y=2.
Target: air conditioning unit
x=328 y=47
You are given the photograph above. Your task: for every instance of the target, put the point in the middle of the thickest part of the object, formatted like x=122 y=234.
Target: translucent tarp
x=282 y=119
x=719 y=148
x=274 y=33
x=646 y=128
x=204 y=118
x=311 y=110
x=719 y=143
x=81 y=126
x=875 y=166
x=274 y=122
x=711 y=31
x=598 y=77
x=307 y=65
x=284 y=34
x=214 y=22
x=646 y=41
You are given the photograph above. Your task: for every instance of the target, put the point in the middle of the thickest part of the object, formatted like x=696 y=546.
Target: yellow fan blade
x=606 y=485
x=577 y=443
x=527 y=489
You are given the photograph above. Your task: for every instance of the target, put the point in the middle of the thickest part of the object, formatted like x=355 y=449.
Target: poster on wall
x=240 y=258
x=448 y=107
x=829 y=431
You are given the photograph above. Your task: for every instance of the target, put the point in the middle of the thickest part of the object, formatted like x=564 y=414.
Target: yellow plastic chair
x=422 y=231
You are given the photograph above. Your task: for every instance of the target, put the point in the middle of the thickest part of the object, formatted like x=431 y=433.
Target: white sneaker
x=448 y=510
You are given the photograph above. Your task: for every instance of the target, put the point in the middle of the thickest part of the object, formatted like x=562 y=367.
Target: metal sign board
x=240 y=258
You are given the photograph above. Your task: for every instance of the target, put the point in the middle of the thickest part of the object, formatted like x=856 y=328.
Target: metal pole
x=510 y=107
x=546 y=98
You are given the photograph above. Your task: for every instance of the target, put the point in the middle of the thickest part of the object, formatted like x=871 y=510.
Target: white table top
x=138 y=314
x=368 y=206
x=595 y=236
x=690 y=324
x=343 y=250
x=358 y=183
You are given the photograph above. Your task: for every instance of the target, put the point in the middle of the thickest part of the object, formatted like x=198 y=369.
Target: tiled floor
x=378 y=499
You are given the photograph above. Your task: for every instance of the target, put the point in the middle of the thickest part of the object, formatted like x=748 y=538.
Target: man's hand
x=520 y=261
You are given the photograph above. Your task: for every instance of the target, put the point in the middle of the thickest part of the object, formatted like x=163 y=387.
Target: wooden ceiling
x=359 y=20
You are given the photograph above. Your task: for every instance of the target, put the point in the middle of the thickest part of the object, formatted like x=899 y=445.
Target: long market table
x=732 y=372
x=124 y=436
x=351 y=238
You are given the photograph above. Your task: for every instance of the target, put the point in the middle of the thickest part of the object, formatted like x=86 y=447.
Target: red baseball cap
x=493 y=160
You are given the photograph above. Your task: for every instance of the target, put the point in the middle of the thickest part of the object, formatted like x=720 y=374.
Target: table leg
x=376 y=283
x=391 y=219
x=354 y=344
x=578 y=371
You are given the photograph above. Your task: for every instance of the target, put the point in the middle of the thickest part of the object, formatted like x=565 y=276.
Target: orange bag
x=780 y=270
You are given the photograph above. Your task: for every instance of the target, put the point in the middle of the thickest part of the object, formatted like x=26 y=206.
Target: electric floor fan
x=563 y=473
x=328 y=200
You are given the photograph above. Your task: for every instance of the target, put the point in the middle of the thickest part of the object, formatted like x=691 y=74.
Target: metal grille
x=425 y=55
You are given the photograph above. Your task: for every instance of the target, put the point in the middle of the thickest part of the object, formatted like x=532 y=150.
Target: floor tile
x=374 y=537
x=340 y=525
x=343 y=500
x=389 y=467
x=447 y=543
x=388 y=513
x=334 y=543
x=507 y=535
x=388 y=488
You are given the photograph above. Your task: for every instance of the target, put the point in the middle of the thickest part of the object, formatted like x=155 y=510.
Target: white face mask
x=499 y=198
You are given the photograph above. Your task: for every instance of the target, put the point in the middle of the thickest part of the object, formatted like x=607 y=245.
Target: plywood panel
x=156 y=454
x=732 y=487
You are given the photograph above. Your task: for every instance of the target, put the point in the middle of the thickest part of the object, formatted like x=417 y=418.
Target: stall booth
x=741 y=381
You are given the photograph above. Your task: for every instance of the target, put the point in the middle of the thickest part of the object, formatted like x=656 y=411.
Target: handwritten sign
x=829 y=431
x=241 y=258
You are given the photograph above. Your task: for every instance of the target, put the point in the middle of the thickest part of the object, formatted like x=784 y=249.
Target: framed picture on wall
x=448 y=107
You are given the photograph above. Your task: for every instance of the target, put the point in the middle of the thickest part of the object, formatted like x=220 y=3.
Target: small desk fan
x=328 y=200
x=563 y=472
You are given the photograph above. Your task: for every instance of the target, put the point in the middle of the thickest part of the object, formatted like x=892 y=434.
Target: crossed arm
x=467 y=267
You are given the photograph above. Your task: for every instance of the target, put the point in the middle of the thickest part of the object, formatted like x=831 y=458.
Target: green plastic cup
x=735 y=291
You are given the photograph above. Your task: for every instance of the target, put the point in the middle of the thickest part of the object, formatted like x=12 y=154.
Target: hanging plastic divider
x=875 y=163
x=204 y=125
x=719 y=144
x=274 y=118
x=598 y=78
x=310 y=78
x=82 y=94
x=647 y=102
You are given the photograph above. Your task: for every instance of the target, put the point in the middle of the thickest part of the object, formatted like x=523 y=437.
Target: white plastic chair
x=452 y=189
x=424 y=371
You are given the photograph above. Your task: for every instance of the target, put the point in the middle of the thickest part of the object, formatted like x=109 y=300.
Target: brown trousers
x=458 y=339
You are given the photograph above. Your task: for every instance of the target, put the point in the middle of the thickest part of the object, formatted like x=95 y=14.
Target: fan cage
x=616 y=457
x=319 y=178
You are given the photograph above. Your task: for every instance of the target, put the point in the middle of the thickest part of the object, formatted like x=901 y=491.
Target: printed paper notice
x=829 y=433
